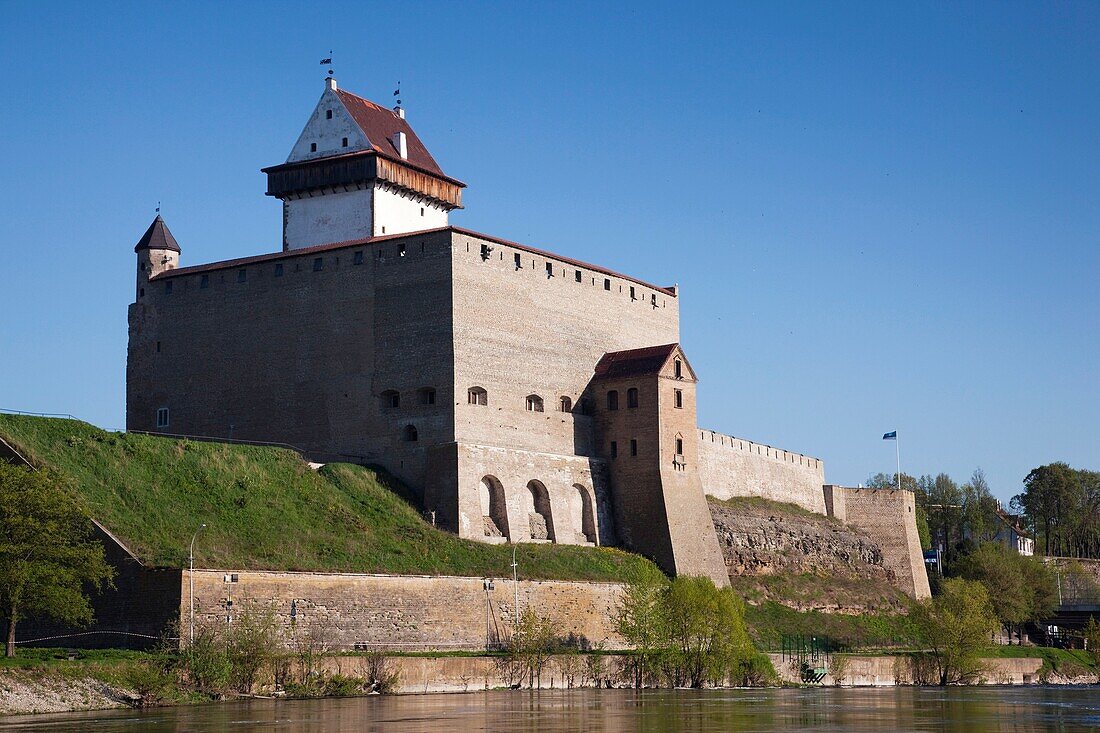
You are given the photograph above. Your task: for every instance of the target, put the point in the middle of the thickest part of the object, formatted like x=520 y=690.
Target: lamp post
x=515 y=583
x=191 y=582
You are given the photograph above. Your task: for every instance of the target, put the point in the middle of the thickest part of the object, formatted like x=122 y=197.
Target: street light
x=191 y=582
x=515 y=582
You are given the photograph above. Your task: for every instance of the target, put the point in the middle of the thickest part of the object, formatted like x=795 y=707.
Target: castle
x=525 y=396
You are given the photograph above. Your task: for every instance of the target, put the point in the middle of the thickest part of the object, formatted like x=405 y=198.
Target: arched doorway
x=584 y=514
x=542 y=521
x=494 y=511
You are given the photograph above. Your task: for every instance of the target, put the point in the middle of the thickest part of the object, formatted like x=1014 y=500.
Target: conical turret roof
x=157 y=236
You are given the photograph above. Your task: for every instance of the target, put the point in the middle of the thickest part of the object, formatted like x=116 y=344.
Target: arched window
x=613 y=400
x=678 y=369
x=632 y=397
x=542 y=521
x=584 y=515
x=679 y=444
x=426 y=395
x=409 y=434
x=391 y=399
x=534 y=403
x=477 y=396
x=566 y=404
x=494 y=511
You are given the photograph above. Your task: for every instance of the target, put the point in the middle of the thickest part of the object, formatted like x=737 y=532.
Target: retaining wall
x=406 y=613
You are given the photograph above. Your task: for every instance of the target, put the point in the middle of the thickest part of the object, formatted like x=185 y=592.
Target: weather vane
x=328 y=62
x=397 y=93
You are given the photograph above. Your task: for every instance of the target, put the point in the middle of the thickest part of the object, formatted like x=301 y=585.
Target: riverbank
x=124 y=681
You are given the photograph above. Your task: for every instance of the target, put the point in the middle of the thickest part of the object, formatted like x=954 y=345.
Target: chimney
x=400 y=111
x=400 y=141
x=330 y=82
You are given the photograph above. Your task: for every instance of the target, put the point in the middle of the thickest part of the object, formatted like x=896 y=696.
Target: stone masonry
x=462 y=363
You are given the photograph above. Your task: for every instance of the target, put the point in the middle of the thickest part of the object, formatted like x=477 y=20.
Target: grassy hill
x=266 y=509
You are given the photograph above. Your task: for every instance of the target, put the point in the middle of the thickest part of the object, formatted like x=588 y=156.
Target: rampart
x=732 y=467
x=888 y=516
x=401 y=612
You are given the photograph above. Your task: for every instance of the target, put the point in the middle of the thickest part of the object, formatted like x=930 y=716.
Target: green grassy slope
x=265 y=509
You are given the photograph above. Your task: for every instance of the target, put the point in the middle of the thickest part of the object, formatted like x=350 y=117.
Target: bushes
x=687 y=633
x=250 y=654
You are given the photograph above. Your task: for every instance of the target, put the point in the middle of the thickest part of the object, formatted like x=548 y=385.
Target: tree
x=942 y=499
x=689 y=632
x=47 y=555
x=979 y=509
x=1048 y=492
x=532 y=643
x=706 y=629
x=955 y=626
x=1092 y=640
x=640 y=621
x=1021 y=589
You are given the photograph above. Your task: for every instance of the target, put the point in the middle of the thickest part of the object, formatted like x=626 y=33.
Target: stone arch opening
x=494 y=511
x=539 y=513
x=584 y=514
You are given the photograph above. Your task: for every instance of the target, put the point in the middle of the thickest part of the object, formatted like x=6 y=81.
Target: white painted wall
x=398 y=212
x=328 y=134
x=333 y=217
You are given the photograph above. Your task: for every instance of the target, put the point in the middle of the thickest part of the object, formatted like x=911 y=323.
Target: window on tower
x=344 y=143
x=328 y=114
x=313 y=147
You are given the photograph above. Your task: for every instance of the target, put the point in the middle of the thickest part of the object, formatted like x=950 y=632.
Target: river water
x=619 y=711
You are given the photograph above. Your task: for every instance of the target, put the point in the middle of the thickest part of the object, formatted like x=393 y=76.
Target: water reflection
x=975 y=710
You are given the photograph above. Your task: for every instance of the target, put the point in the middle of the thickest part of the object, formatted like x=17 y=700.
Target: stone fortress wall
x=531 y=325
x=732 y=467
x=887 y=516
x=461 y=363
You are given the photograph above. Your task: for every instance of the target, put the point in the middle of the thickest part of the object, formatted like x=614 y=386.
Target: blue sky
x=881 y=216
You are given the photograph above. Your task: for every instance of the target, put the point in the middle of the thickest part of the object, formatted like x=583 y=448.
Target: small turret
x=157 y=251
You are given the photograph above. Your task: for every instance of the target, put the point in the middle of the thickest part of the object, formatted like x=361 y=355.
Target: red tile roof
x=157 y=236
x=634 y=362
x=380 y=125
x=227 y=264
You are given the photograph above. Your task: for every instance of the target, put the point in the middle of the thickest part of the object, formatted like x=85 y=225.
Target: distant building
x=1012 y=534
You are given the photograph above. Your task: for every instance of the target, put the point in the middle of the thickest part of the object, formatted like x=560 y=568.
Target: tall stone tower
x=357 y=171
x=157 y=251
x=645 y=420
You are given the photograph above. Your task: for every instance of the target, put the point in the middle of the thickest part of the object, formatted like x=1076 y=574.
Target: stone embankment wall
x=404 y=613
x=732 y=467
x=879 y=671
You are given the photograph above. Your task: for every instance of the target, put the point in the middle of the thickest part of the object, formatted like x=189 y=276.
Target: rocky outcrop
x=807 y=561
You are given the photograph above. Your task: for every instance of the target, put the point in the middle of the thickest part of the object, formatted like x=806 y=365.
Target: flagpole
x=897 y=450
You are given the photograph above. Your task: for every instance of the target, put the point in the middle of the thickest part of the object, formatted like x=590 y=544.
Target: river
x=972 y=709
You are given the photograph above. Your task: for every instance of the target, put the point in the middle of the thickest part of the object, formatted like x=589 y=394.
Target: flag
x=892 y=435
x=326 y=61
x=396 y=92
